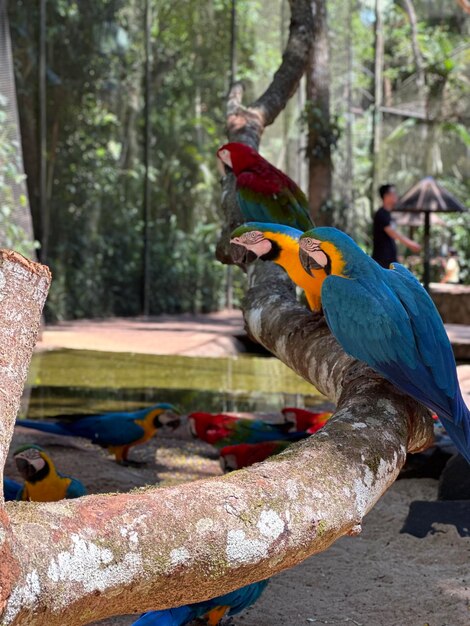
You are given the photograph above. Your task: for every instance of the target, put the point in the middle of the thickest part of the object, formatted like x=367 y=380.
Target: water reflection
x=69 y=381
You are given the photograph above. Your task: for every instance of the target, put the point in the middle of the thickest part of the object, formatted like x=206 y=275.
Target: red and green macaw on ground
x=245 y=454
x=306 y=420
x=224 y=430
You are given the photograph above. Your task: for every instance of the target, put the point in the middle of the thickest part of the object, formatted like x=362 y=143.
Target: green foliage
x=11 y=174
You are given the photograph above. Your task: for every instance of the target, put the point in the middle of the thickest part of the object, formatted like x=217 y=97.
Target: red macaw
x=246 y=454
x=265 y=194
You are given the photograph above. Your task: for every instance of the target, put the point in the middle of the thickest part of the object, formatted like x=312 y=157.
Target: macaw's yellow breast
x=289 y=259
x=147 y=423
x=51 y=489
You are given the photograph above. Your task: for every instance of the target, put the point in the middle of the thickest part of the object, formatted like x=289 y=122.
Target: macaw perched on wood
x=245 y=454
x=278 y=243
x=42 y=481
x=264 y=193
x=225 y=430
x=305 y=420
x=118 y=432
x=11 y=489
x=212 y=611
x=385 y=318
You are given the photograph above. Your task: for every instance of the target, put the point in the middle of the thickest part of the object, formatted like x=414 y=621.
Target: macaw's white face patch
x=254 y=241
x=225 y=157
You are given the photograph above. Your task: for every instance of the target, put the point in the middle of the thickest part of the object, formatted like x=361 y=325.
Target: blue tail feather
x=46 y=427
x=168 y=617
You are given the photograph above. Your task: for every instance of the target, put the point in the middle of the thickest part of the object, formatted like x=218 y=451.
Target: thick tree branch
x=76 y=561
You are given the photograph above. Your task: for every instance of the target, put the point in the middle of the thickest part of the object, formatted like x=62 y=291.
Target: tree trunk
x=317 y=112
x=376 y=113
x=418 y=57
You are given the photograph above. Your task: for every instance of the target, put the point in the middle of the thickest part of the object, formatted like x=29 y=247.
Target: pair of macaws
x=211 y=611
x=118 y=432
x=382 y=317
x=244 y=441
x=42 y=481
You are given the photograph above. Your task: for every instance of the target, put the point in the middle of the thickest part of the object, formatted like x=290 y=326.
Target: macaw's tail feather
x=46 y=427
x=168 y=617
x=458 y=428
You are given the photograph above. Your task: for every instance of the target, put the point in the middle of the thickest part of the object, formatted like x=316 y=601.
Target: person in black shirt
x=385 y=233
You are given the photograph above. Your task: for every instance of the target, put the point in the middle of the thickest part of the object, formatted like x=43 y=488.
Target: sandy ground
x=381 y=578
x=212 y=334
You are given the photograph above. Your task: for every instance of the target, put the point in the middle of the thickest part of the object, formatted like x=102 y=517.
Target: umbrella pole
x=427 y=222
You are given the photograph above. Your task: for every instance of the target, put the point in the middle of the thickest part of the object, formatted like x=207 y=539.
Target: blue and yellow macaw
x=212 y=611
x=264 y=193
x=10 y=489
x=118 y=432
x=42 y=481
x=278 y=243
x=385 y=318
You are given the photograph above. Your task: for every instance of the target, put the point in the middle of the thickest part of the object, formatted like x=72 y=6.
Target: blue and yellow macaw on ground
x=42 y=481
x=10 y=489
x=385 y=318
x=212 y=611
x=278 y=243
x=118 y=432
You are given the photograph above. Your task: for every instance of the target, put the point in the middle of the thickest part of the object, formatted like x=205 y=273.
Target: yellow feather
x=289 y=260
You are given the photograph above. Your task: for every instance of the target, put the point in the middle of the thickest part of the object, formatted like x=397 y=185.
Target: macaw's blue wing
x=76 y=489
x=236 y=601
x=390 y=326
x=113 y=429
x=241 y=599
x=107 y=430
x=11 y=489
x=169 y=617
x=284 y=206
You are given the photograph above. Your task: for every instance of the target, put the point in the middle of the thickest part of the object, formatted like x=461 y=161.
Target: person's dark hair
x=384 y=189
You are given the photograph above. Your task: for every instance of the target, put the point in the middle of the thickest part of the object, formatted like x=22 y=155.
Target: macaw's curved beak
x=240 y=254
x=170 y=419
x=28 y=468
x=308 y=262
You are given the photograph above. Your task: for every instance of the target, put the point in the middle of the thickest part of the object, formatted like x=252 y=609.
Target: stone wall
x=453 y=302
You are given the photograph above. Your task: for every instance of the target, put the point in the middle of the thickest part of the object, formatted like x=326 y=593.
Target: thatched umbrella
x=429 y=198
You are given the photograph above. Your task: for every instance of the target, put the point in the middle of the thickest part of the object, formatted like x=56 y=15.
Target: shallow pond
x=75 y=381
